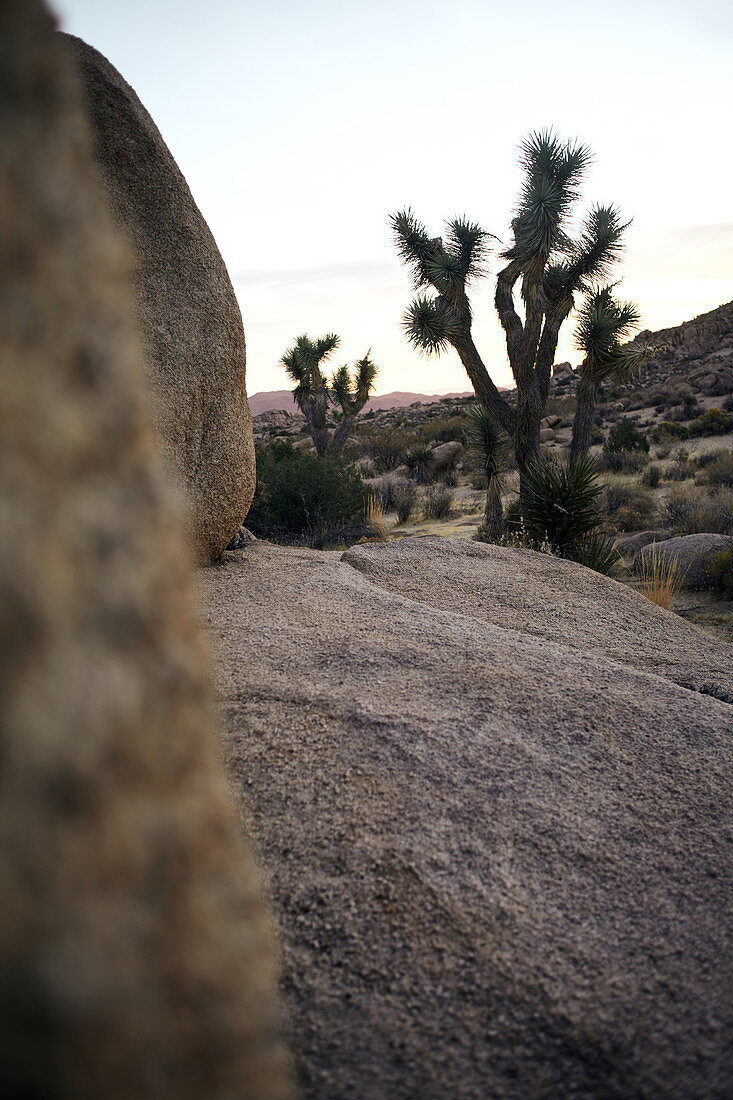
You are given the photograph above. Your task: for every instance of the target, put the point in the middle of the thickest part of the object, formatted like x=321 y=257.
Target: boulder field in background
x=135 y=952
x=497 y=828
x=188 y=316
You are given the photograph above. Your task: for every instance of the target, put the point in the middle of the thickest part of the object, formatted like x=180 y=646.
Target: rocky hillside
x=697 y=353
x=702 y=346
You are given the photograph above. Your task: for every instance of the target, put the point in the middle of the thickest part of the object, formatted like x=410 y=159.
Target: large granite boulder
x=135 y=953
x=493 y=793
x=188 y=315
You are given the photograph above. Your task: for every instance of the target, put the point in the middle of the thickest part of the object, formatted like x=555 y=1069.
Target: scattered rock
x=630 y=544
x=694 y=554
x=188 y=315
x=446 y=454
x=242 y=539
x=547 y=435
x=135 y=952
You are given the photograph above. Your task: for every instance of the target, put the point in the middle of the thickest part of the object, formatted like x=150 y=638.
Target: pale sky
x=300 y=126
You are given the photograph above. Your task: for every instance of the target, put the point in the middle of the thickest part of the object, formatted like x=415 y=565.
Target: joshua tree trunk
x=314 y=408
x=493 y=525
x=530 y=407
x=583 y=422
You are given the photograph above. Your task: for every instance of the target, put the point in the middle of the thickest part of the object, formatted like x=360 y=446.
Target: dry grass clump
x=374 y=519
x=661 y=577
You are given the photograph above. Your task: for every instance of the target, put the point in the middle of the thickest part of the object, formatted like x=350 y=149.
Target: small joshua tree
x=314 y=393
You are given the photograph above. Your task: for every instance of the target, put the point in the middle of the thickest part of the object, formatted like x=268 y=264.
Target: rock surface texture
x=497 y=825
x=135 y=953
x=188 y=315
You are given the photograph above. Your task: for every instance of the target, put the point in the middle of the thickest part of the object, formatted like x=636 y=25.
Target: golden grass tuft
x=374 y=519
x=661 y=578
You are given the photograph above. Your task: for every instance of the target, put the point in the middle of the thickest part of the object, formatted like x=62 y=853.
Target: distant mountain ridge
x=270 y=400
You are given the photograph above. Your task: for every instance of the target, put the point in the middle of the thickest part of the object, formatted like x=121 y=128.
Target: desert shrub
x=622 y=462
x=679 y=471
x=728 y=403
x=305 y=500
x=651 y=476
x=667 y=430
x=705 y=458
x=561 y=510
x=404 y=495
x=445 y=431
x=712 y=422
x=629 y=507
x=720 y=572
x=386 y=452
x=437 y=502
x=718 y=467
x=419 y=461
x=625 y=436
x=658 y=400
x=691 y=509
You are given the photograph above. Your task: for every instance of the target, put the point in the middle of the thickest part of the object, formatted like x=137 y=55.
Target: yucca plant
x=420 y=462
x=545 y=265
x=314 y=393
x=488 y=445
x=560 y=509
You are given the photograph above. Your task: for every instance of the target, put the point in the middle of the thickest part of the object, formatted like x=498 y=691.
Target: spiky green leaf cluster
x=553 y=170
x=560 y=509
x=303 y=362
x=487 y=443
x=445 y=264
x=604 y=323
x=560 y=501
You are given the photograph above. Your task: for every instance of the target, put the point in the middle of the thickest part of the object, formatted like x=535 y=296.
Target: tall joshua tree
x=603 y=323
x=314 y=393
x=544 y=264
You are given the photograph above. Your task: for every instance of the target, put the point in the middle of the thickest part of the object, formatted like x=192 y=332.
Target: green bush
x=625 y=436
x=304 y=500
x=658 y=400
x=712 y=422
x=669 y=429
